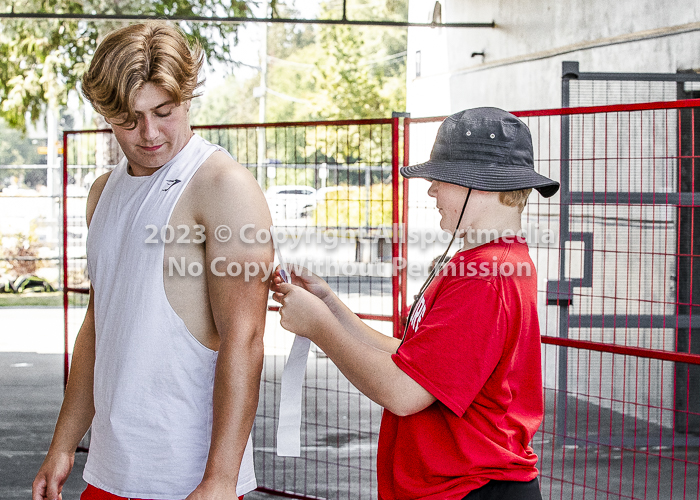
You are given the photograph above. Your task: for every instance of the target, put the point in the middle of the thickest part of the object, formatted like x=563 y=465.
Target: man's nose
x=149 y=129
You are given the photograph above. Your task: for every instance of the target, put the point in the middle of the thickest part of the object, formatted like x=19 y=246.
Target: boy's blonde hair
x=132 y=56
x=515 y=198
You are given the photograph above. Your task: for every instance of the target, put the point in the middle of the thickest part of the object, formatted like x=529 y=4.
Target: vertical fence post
x=404 y=221
x=64 y=234
x=686 y=400
x=395 y=224
x=569 y=71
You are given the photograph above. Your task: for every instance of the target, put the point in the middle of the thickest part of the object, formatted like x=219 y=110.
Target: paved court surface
x=339 y=427
x=31 y=389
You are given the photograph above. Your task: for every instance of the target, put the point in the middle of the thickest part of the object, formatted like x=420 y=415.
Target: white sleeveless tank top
x=154 y=381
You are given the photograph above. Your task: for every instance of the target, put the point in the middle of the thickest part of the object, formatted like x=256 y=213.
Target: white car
x=291 y=202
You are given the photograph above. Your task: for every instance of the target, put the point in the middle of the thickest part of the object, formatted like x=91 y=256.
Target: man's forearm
x=78 y=407
x=236 y=391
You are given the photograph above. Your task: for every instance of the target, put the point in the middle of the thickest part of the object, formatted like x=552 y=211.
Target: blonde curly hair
x=132 y=56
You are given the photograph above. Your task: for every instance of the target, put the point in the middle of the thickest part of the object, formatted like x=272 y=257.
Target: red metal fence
x=615 y=254
x=333 y=191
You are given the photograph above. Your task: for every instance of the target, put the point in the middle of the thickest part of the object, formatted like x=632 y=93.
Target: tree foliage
x=42 y=60
x=360 y=71
x=325 y=72
x=350 y=206
x=231 y=102
x=347 y=87
x=17 y=149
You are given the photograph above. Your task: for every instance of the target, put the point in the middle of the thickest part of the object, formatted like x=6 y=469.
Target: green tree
x=44 y=59
x=292 y=50
x=335 y=72
x=346 y=87
x=348 y=206
x=361 y=71
x=338 y=72
x=17 y=149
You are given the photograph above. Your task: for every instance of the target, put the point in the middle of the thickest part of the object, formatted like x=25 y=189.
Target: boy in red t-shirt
x=462 y=391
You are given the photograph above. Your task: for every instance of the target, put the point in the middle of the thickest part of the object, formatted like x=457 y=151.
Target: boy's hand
x=303 y=278
x=301 y=312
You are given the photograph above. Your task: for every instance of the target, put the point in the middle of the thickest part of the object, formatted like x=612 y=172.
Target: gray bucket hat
x=487 y=149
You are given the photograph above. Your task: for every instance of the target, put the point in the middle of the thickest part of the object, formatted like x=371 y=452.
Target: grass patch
x=44 y=299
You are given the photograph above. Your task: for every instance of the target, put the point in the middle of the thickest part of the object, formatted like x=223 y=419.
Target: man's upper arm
x=94 y=196
x=233 y=209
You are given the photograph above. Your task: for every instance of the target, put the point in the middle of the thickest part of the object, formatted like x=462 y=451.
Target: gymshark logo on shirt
x=171 y=183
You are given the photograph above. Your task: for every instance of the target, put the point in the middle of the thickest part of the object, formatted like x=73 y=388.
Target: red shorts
x=92 y=493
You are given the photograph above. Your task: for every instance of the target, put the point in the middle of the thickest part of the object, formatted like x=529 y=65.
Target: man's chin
x=153 y=166
x=153 y=161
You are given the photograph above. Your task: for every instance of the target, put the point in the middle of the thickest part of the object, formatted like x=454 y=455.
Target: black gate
x=622 y=195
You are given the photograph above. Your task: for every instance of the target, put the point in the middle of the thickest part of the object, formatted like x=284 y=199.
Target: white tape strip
x=289 y=426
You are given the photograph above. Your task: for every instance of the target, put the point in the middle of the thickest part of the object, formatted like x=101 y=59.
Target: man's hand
x=52 y=475
x=214 y=490
x=302 y=312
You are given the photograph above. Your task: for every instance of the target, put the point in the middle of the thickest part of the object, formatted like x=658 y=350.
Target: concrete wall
x=523 y=53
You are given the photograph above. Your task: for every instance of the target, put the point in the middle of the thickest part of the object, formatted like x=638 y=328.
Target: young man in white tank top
x=166 y=367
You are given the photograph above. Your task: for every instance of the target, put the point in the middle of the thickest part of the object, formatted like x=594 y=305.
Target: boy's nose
x=432 y=190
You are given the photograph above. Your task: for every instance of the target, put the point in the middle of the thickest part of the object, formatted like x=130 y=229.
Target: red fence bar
x=328 y=123
x=610 y=108
x=404 y=226
x=395 y=250
x=273 y=125
x=678 y=357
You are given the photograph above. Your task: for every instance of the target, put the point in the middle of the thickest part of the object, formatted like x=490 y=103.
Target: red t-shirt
x=473 y=342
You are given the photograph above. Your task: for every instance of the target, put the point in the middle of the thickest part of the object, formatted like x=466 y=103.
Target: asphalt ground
x=339 y=433
x=31 y=391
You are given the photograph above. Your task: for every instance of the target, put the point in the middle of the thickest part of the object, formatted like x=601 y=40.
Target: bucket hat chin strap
x=438 y=265
x=444 y=257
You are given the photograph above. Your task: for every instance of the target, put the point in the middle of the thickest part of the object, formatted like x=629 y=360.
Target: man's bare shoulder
x=225 y=194
x=222 y=182
x=94 y=195
x=220 y=167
